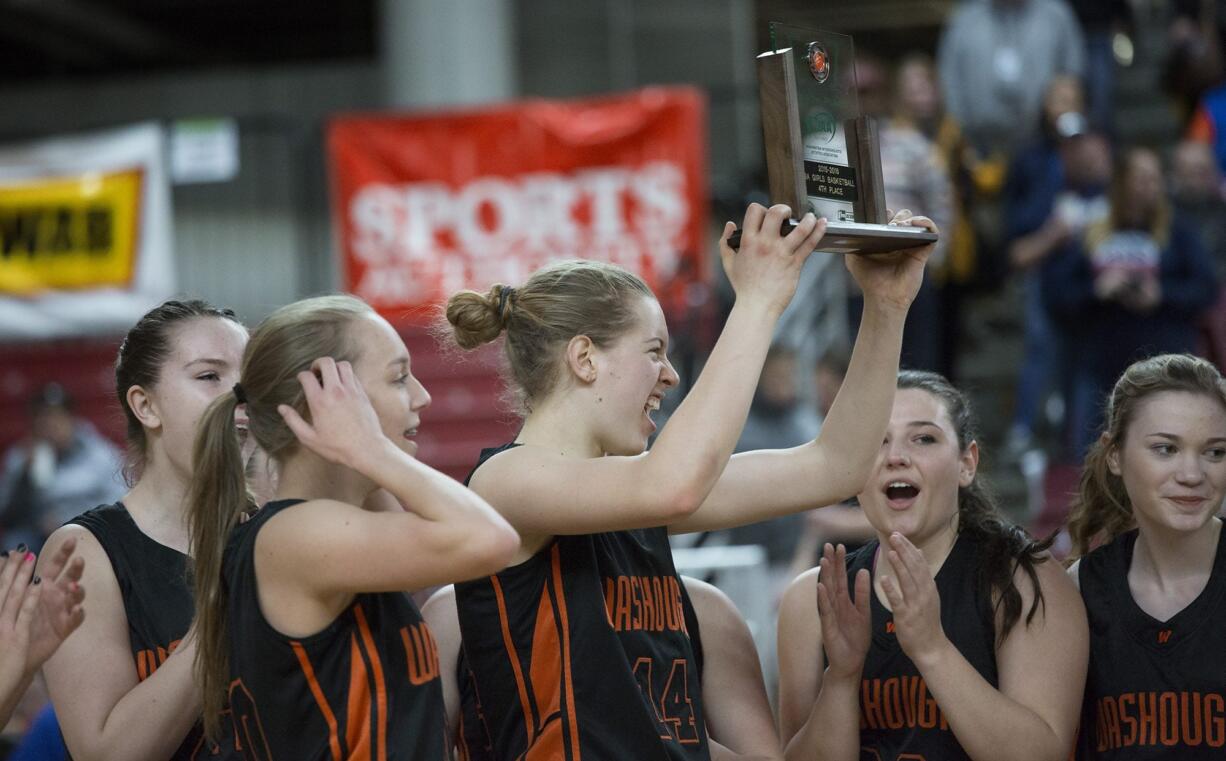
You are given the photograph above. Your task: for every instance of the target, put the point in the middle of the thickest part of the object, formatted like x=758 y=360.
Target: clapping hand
x=846 y=620
x=60 y=607
x=36 y=613
x=914 y=600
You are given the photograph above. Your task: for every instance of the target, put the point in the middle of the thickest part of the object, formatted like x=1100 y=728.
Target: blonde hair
x=559 y=302
x=284 y=344
x=1102 y=510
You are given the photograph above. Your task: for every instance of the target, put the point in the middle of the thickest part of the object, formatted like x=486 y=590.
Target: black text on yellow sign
x=69 y=233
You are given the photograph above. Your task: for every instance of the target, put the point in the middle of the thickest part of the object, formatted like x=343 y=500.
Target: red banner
x=428 y=204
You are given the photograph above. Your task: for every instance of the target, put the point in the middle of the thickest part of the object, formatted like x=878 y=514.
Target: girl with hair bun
x=307 y=646
x=1146 y=534
x=122 y=686
x=580 y=650
x=962 y=640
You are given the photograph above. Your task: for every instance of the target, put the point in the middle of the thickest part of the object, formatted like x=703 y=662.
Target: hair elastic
x=507 y=293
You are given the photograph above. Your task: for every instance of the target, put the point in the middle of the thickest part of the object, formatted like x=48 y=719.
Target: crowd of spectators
x=1108 y=247
x=1116 y=245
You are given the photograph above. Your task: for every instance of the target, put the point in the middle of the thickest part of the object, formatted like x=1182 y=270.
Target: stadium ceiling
x=58 y=39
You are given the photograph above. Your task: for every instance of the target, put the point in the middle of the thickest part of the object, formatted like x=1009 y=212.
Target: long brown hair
x=285 y=344
x=1003 y=546
x=559 y=302
x=1102 y=510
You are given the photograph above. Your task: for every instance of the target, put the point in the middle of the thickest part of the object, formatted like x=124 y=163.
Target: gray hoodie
x=997 y=57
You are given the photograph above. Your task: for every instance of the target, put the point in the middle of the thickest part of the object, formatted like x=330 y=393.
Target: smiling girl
x=122 y=685
x=309 y=649
x=971 y=643
x=1155 y=591
x=580 y=649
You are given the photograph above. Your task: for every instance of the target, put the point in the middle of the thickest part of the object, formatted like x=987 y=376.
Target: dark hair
x=1102 y=510
x=141 y=355
x=50 y=397
x=1003 y=546
x=559 y=302
x=286 y=343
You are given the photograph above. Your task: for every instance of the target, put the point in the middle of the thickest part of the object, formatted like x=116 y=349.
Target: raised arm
x=769 y=483
x=331 y=549
x=1033 y=715
x=819 y=702
x=105 y=711
x=543 y=492
x=739 y=720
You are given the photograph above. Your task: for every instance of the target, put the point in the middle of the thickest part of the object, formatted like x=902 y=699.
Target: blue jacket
x=1105 y=336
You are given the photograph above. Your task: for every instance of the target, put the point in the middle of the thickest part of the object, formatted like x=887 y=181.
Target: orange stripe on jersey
x=556 y=558
x=546 y=676
x=357 y=723
x=334 y=741
x=380 y=687
x=512 y=656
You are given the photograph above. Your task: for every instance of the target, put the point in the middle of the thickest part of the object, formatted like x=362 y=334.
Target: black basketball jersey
x=366 y=688
x=157 y=603
x=583 y=652
x=473 y=739
x=899 y=718
x=1155 y=689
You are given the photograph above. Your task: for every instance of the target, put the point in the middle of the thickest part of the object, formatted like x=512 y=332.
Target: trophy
x=822 y=155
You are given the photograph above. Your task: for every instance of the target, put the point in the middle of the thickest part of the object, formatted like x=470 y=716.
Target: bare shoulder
x=504 y=463
x=441 y=607
x=306 y=517
x=1060 y=595
x=715 y=610
x=104 y=632
x=98 y=573
x=529 y=463
x=511 y=465
x=443 y=620
x=706 y=595
x=801 y=593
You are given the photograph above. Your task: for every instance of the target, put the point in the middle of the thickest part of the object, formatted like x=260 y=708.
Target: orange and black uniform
x=473 y=739
x=899 y=718
x=365 y=688
x=583 y=652
x=156 y=601
x=1155 y=689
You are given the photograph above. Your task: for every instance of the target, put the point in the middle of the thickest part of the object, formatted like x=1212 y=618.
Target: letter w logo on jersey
x=1164 y=636
x=421 y=652
x=148 y=661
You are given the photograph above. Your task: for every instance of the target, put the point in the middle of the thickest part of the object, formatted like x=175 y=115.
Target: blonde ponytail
x=217 y=498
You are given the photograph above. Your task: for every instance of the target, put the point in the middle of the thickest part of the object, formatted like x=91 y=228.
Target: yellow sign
x=69 y=233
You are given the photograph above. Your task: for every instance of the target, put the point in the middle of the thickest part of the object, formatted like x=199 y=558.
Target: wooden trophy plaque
x=822 y=155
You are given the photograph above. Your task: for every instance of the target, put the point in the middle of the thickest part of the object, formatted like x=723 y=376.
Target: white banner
x=85 y=233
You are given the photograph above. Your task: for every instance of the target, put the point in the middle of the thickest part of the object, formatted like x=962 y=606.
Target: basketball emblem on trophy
x=819 y=62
